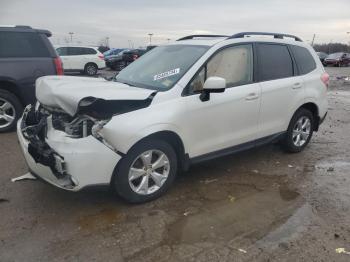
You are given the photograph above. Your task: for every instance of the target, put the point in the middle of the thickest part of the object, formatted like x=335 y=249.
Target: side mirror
x=213 y=84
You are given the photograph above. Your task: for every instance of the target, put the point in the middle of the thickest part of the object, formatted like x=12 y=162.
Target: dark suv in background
x=124 y=58
x=25 y=55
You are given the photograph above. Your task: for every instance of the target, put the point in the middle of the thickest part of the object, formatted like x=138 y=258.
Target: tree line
x=332 y=48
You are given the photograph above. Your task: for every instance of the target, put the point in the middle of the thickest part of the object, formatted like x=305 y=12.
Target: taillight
x=101 y=57
x=325 y=79
x=58 y=65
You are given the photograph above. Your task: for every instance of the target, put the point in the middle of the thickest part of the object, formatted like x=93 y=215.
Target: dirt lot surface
x=261 y=205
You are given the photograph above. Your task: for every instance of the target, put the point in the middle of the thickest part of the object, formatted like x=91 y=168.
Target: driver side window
x=234 y=64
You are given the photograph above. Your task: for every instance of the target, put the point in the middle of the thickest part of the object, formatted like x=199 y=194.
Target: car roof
x=58 y=46
x=24 y=28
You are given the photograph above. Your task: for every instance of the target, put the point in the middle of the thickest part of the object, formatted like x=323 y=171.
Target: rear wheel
x=299 y=131
x=90 y=69
x=146 y=172
x=10 y=110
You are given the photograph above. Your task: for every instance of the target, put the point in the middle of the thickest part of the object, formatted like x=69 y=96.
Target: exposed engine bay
x=91 y=116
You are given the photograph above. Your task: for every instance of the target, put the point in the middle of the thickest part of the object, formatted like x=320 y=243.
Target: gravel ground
x=260 y=205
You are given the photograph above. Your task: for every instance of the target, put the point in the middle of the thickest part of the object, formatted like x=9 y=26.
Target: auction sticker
x=166 y=74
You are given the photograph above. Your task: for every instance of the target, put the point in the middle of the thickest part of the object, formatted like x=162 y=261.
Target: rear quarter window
x=90 y=51
x=274 y=62
x=22 y=44
x=303 y=58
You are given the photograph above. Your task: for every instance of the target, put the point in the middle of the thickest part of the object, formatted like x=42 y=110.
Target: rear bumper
x=73 y=164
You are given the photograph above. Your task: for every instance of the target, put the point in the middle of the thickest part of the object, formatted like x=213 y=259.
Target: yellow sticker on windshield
x=166 y=74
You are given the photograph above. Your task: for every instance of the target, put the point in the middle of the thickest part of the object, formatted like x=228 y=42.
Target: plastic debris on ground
x=24 y=177
x=242 y=250
x=208 y=181
x=342 y=250
x=231 y=198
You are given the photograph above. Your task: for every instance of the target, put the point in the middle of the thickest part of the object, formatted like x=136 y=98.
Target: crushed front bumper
x=65 y=162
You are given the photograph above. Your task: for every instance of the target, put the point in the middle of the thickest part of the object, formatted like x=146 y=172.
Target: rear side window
x=89 y=51
x=304 y=59
x=81 y=51
x=75 y=51
x=274 y=62
x=22 y=44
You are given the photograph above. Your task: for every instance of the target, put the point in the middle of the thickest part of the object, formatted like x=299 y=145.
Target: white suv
x=83 y=59
x=192 y=100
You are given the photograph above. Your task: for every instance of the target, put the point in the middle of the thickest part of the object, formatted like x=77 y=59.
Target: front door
x=230 y=118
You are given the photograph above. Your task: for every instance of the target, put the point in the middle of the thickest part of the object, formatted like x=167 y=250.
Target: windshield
x=335 y=55
x=162 y=67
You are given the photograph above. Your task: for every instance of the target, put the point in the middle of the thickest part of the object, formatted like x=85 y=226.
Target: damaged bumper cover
x=60 y=160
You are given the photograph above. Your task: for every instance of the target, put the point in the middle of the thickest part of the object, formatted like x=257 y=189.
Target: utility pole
x=313 y=40
x=107 y=41
x=150 y=38
x=168 y=39
x=71 y=36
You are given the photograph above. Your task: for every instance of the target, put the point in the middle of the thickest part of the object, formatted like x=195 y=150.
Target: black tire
x=17 y=108
x=287 y=142
x=120 y=66
x=90 y=69
x=120 y=180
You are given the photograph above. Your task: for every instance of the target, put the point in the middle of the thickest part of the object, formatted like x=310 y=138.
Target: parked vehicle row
x=178 y=105
x=112 y=52
x=124 y=58
x=336 y=59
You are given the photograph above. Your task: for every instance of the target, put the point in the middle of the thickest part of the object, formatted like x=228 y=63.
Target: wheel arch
x=313 y=108
x=90 y=63
x=11 y=87
x=175 y=141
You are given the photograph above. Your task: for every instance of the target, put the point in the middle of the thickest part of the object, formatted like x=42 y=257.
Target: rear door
x=77 y=59
x=281 y=87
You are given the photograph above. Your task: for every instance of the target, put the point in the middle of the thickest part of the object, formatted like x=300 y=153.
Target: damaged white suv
x=192 y=100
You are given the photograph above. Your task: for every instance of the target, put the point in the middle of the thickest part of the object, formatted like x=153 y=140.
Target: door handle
x=297 y=85
x=251 y=96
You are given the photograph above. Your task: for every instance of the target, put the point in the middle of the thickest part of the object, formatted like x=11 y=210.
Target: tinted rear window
x=304 y=59
x=22 y=44
x=274 y=62
x=81 y=51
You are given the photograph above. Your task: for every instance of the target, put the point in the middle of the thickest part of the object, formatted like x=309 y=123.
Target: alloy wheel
x=148 y=172
x=91 y=70
x=301 y=131
x=7 y=113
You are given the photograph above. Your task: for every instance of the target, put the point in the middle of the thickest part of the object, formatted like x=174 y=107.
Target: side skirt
x=238 y=148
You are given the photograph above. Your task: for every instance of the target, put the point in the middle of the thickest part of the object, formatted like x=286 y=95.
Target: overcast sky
x=129 y=22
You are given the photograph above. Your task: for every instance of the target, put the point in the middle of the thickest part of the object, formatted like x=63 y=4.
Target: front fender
x=122 y=139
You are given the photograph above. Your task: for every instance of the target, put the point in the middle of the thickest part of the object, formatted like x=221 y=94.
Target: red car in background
x=338 y=59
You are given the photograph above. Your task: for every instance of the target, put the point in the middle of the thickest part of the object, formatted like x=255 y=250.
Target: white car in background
x=83 y=59
x=181 y=103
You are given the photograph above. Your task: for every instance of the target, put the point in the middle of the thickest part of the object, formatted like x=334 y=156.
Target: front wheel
x=146 y=172
x=299 y=131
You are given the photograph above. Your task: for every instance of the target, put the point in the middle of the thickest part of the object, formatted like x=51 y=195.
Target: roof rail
x=195 y=36
x=275 y=35
x=23 y=26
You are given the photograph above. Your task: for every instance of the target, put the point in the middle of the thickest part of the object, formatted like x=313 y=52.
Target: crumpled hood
x=66 y=92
